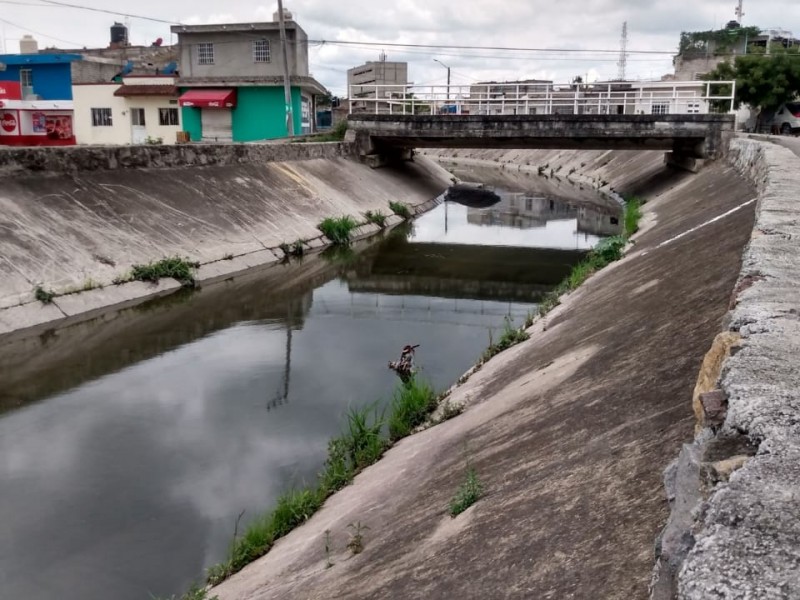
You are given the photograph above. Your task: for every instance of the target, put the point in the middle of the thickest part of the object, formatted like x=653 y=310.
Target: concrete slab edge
x=734 y=493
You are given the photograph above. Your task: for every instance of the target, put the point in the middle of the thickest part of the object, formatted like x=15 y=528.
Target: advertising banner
x=9 y=122
x=10 y=90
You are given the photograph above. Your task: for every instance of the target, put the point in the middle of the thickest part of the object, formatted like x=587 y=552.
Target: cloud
x=652 y=25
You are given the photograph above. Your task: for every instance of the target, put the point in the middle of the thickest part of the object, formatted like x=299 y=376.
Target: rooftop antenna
x=740 y=11
x=382 y=56
x=623 y=52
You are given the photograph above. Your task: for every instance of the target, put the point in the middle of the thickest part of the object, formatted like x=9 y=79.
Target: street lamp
x=448 y=78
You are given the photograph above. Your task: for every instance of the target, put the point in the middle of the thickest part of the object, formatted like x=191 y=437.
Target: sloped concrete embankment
x=734 y=531
x=568 y=432
x=79 y=218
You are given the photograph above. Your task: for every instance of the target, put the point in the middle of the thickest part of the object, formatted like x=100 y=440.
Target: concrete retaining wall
x=734 y=531
x=75 y=159
x=95 y=212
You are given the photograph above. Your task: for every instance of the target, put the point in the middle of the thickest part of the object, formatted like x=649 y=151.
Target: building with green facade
x=231 y=81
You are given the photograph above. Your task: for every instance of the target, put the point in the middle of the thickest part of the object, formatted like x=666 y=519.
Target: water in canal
x=129 y=444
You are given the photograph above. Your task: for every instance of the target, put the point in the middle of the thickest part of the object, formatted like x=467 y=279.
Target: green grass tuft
x=44 y=296
x=510 y=336
x=338 y=229
x=633 y=212
x=180 y=269
x=467 y=495
x=377 y=218
x=401 y=210
x=336 y=134
x=411 y=405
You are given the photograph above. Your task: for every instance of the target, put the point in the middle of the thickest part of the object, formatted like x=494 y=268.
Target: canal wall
x=76 y=219
x=567 y=432
x=735 y=492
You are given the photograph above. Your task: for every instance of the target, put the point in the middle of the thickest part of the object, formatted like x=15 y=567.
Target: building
x=36 y=107
x=141 y=109
x=363 y=82
x=231 y=81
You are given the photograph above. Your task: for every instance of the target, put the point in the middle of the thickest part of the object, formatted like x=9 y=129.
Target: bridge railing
x=614 y=98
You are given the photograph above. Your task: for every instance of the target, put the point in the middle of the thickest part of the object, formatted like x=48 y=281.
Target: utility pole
x=740 y=12
x=448 y=78
x=287 y=88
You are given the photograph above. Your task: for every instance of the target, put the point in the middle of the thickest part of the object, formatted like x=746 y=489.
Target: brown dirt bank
x=569 y=433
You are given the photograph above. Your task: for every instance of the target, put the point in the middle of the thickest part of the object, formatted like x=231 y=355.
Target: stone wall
x=734 y=530
x=70 y=160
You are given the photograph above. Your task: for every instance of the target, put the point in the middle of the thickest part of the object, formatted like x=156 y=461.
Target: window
x=137 y=117
x=528 y=203
x=660 y=109
x=693 y=107
x=205 y=53
x=26 y=78
x=261 y=51
x=167 y=116
x=101 y=117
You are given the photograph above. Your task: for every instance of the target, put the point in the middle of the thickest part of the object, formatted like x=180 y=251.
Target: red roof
x=147 y=90
x=209 y=98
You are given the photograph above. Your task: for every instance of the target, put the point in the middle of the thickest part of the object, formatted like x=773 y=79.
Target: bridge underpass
x=383 y=137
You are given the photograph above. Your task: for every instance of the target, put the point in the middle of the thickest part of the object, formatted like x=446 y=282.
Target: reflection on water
x=555 y=224
x=130 y=444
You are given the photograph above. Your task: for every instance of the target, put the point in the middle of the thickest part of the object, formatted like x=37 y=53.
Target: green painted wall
x=259 y=115
x=190 y=117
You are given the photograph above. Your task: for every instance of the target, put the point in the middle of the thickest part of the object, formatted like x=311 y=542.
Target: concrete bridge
x=687 y=137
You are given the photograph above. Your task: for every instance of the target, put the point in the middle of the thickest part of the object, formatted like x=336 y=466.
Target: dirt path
x=569 y=434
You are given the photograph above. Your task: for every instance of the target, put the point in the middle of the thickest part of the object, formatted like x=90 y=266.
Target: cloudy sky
x=555 y=25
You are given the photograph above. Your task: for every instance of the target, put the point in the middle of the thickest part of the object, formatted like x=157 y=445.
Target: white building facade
x=140 y=110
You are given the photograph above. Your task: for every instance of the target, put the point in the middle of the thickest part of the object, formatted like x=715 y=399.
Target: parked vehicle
x=786 y=119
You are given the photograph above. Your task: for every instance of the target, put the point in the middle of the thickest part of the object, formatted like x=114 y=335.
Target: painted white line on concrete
x=705 y=224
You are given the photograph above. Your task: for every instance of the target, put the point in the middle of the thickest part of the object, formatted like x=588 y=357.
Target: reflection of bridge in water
x=462 y=271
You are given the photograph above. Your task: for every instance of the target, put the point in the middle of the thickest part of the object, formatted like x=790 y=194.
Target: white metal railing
x=513 y=98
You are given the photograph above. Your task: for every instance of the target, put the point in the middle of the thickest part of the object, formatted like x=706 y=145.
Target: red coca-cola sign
x=10 y=90
x=8 y=121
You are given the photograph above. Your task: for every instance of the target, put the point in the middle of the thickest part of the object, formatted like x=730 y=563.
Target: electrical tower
x=740 y=11
x=623 y=52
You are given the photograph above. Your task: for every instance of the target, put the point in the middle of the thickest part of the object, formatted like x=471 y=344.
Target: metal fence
x=614 y=98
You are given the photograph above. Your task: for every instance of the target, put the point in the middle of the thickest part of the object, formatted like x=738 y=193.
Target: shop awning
x=209 y=98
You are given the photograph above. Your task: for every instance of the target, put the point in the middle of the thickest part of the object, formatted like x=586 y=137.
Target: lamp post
x=448 y=78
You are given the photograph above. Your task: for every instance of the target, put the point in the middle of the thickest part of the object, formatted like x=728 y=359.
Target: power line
x=50 y=37
x=108 y=12
x=502 y=48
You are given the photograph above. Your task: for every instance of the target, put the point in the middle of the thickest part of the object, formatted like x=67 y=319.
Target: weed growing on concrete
x=334 y=135
x=286 y=249
x=401 y=210
x=298 y=248
x=377 y=218
x=468 y=493
x=44 y=296
x=180 y=269
x=411 y=405
x=120 y=279
x=510 y=336
x=228 y=256
x=356 y=543
x=633 y=213
x=338 y=229
x=328 y=548
x=449 y=410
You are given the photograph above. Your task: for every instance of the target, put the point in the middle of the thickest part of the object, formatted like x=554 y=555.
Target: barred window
x=101 y=117
x=261 y=51
x=167 y=116
x=661 y=109
x=205 y=53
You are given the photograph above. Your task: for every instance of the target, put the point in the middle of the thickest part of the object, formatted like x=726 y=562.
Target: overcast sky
x=558 y=24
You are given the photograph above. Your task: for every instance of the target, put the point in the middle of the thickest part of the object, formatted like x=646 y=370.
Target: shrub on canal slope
x=401 y=210
x=180 y=269
x=338 y=229
x=510 y=336
x=633 y=212
x=411 y=405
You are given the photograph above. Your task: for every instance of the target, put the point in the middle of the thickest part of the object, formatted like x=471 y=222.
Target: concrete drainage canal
x=124 y=465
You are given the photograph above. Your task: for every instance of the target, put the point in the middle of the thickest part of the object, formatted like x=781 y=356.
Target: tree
x=762 y=81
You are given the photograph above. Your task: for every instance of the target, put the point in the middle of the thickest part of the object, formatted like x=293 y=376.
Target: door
x=217 y=124
x=138 y=128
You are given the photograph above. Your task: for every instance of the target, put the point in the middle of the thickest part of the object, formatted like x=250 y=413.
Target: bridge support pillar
x=374 y=155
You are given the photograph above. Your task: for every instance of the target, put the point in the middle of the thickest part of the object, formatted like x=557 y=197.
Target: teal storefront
x=241 y=114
